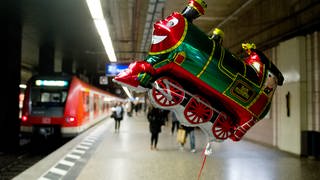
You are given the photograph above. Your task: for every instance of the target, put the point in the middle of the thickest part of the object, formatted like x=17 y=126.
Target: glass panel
x=50 y=97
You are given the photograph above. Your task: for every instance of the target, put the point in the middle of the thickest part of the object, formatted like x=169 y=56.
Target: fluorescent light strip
x=127 y=92
x=101 y=25
x=95 y=9
x=103 y=31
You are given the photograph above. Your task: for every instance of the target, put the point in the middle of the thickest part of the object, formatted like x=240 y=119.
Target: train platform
x=102 y=153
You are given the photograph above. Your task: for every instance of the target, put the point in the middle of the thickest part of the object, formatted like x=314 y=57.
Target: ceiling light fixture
x=127 y=92
x=102 y=28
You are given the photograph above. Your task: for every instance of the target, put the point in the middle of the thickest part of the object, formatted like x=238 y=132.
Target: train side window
x=101 y=105
x=95 y=103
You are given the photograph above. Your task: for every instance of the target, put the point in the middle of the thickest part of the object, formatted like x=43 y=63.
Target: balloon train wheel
x=198 y=110
x=221 y=127
x=167 y=92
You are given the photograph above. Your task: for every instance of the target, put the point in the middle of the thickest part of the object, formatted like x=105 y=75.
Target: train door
x=96 y=105
x=86 y=105
x=91 y=104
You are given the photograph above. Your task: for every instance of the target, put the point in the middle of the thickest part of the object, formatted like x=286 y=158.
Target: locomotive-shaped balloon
x=202 y=82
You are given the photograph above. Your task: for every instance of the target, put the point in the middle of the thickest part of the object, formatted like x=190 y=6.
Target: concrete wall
x=292 y=62
x=313 y=82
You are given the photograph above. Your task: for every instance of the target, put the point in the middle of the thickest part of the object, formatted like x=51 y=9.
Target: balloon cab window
x=234 y=66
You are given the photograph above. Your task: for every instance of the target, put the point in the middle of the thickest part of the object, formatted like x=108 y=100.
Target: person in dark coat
x=155 y=118
x=175 y=123
x=117 y=114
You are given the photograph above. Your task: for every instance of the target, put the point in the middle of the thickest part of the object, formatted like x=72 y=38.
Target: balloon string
x=203 y=162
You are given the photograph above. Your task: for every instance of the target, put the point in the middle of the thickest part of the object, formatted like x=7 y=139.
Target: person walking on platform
x=165 y=114
x=155 y=118
x=129 y=109
x=175 y=122
x=192 y=139
x=183 y=133
x=181 y=136
x=117 y=114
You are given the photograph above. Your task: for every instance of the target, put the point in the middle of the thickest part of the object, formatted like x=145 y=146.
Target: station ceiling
x=68 y=24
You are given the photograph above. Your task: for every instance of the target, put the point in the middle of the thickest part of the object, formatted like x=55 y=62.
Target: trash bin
x=310 y=143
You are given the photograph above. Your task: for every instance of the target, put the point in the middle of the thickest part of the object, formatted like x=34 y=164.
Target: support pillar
x=10 y=50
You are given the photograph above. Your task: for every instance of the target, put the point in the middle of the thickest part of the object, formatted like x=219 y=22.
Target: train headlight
x=24 y=118
x=71 y=119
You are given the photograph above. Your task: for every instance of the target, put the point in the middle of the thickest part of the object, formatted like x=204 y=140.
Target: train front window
x=48 y=97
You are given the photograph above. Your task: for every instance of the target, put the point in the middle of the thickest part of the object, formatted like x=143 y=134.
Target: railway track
x=29 y=154
x=18 y=165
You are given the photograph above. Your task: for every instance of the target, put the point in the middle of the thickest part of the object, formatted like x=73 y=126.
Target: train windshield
x=48 y=97
x=49 y=93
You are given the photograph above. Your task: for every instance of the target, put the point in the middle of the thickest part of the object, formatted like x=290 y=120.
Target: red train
x=63 y=105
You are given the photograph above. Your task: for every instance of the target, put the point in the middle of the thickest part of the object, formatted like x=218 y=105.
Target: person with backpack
x=117 y=114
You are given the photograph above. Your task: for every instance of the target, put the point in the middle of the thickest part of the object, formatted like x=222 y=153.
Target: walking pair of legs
x=117 y=126
x=154 y=141
x=192 y=141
